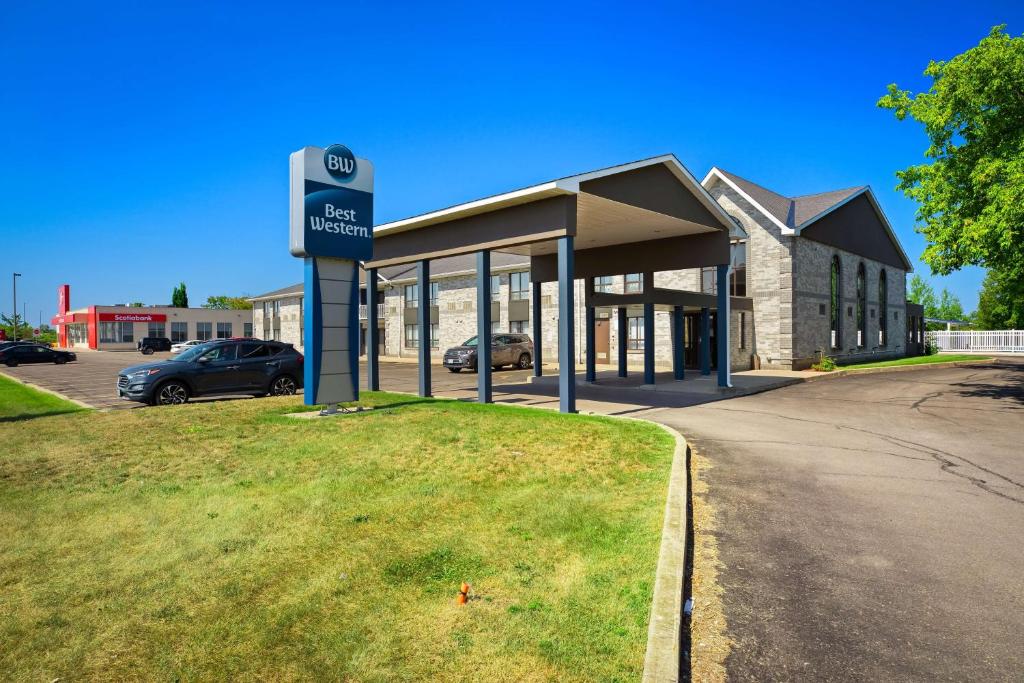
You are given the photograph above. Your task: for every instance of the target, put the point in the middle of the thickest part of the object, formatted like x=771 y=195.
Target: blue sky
x=143 y=145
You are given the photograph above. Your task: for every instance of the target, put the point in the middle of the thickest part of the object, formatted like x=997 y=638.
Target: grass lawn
x=224 y=541
x=18 y=402
x=916 y=360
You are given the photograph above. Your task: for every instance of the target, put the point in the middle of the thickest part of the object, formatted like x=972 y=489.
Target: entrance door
x=602 y=342
x=691 y=333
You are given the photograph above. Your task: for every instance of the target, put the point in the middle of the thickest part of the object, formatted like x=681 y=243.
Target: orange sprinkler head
x=465 y=587
x=461 y=599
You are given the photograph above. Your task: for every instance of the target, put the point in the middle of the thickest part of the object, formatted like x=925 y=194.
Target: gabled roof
x=793 y=214
x=560 y=186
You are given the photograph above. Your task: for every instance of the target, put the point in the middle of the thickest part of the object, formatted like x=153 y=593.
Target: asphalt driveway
x=92 y=379
x=871 y=527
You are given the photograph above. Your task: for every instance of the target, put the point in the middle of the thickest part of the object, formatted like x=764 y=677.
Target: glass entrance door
x=691 y=335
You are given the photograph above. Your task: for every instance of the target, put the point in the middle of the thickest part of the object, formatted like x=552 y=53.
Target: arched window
x=883 y=309
x=862 y=294
x=835 y=303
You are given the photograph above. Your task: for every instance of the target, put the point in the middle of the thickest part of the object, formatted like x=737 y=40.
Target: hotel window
x=519 y=285
x=117 y=333
x=266 y=309
x=277 y=308
x=156 y=330
x=412 y=297
x=247 y=330
x=495 y=327
x=862 y=337
x=883 y=309
x=517 y=326
x=634 y=283
x=603 y=283
x=495 y=288
x=204 y=331
x=738 y=272
x=412 y=336
x=223 y=330
x=635 y=335
x=835 y=305
x=179 y=332
x=709 y=280
x=435 y=336
x=434 y=289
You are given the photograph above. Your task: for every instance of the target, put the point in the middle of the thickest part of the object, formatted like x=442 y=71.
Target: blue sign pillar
x=722 y=338
x=538 y=343
x=623 y=340
x=483 y=325
x=331 y=227
x=566 y=331
x=372 y=332
x=423 y=320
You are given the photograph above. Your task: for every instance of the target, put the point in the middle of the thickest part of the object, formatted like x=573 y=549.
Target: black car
x=147 y=345
x=17 y=353
x=506 y=349
x=225 y=366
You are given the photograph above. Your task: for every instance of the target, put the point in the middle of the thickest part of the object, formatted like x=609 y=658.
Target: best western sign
x=331 y=227
x=331 y=204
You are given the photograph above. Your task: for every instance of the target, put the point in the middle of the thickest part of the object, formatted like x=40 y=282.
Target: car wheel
x=454 y=369
x=12 y=363
x=283 y=386
x=170 y=394
x=496 y=367
x=147 y=351
x=60 y=361
x=524 y=361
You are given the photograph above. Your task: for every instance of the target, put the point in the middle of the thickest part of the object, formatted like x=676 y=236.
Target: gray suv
x=506 y=349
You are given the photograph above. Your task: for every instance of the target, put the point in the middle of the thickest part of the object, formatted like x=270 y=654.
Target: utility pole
x=14 y=289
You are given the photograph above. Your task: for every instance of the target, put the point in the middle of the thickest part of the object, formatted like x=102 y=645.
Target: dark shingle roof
x=791 y=211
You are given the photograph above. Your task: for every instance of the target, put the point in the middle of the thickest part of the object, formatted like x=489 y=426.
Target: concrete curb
x=662 y=659
x=44 y=390
x=894 y=368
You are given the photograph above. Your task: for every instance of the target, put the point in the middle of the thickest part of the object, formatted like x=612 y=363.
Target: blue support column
x=591 y=339
x=722 y=337
x=649 y=343
x=623 y=339
x=483 y=326
x=423 y=320
x=677 y=342
x=537 y=329
x=705 y=341
x=372 y=332
x=566 y=331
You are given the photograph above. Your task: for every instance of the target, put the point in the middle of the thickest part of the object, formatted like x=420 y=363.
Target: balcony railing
x=363 y=311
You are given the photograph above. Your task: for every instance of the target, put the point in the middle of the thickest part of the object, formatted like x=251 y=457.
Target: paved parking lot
x=93 y=378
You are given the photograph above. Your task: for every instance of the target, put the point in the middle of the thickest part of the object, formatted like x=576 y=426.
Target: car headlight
x=464 y=353
x=144 y=373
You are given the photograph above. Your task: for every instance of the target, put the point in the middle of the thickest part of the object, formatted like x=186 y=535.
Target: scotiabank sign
x=132 y=317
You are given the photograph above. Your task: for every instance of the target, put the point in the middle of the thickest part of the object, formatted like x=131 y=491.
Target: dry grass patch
x=709 y=644
x=225 y=541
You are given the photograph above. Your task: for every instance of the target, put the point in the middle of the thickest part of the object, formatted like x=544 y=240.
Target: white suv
x=184 y=346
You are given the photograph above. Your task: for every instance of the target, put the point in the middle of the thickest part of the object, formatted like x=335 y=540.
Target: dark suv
x=226 y=366
x=15 y=353
x=147 y=345
x=506 y=349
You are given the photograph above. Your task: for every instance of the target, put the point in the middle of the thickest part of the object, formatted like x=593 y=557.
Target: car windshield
x=192 y=352
x=470 y=342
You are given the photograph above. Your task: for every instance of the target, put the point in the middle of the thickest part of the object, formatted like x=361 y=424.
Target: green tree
x=1000 y=304
x=227 y=302
x=7 y=325
x=136 y=304
x=922 y=293
x=949 y=307
x=971 y=191
x=179 y=297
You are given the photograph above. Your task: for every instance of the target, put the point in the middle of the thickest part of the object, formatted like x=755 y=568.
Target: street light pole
x=14 y=289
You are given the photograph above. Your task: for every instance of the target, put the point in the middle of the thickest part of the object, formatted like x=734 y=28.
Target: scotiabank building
x=115 y=328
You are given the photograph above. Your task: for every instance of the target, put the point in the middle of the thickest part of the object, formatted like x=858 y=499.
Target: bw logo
x=340 y=162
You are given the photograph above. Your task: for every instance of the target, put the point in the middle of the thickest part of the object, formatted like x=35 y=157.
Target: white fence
x=993 y=341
